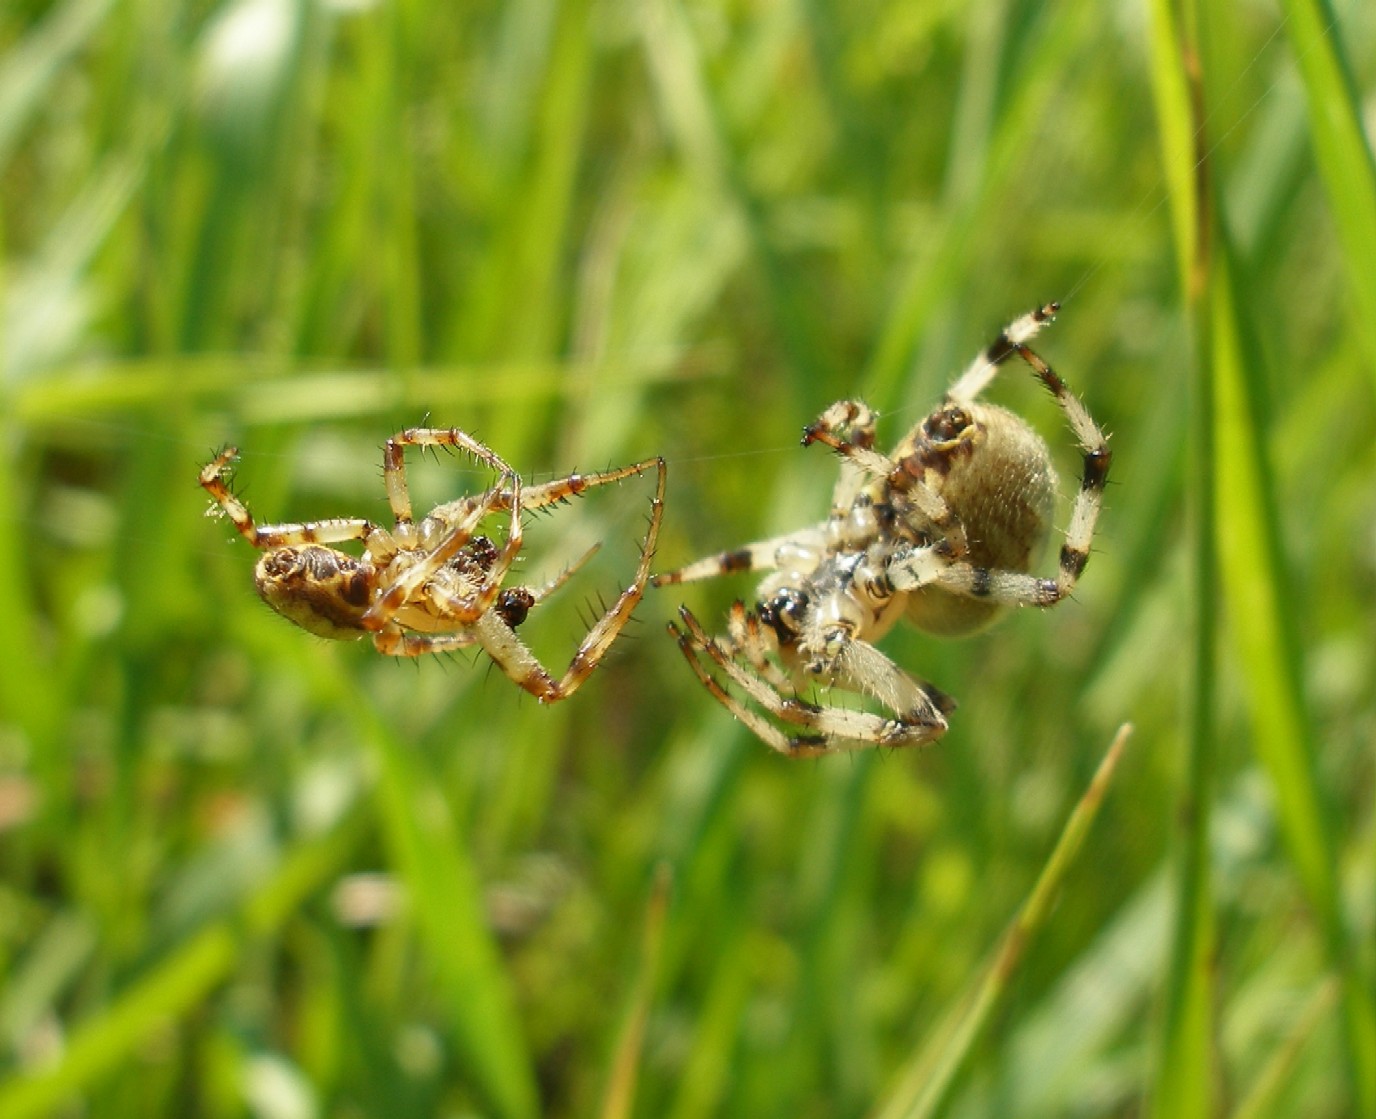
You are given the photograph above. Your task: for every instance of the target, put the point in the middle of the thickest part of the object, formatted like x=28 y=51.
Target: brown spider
x=942 y=532
x=432 y=585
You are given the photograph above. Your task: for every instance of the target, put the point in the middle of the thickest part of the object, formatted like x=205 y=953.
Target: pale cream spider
x=433 y=585
x=942 y=532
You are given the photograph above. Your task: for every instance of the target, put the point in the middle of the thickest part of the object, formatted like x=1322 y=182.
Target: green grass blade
x=1262 y=1096
x=1340 y=145
x=445 y=896
x=27 y=73
x=1184 y=1070
x=630 y=1046
x=927 y=1077
x=1255 y=582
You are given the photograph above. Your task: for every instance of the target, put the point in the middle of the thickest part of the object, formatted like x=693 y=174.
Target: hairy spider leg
x=513 y=657
x=793 y=746
x=550 y=493
x=542 y=592
x=985 y=367
x=334 y=530
x=561 y=489
x=755 y=641
x=1084 y=514
x=834 y=728
x=830 y=429
x=762 y=555
x=397 y=642
x=394 y=464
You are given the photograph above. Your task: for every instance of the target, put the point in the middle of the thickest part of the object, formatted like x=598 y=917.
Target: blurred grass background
x=246 y=872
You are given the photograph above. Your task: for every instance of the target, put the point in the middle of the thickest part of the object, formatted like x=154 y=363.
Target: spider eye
x=946 y=425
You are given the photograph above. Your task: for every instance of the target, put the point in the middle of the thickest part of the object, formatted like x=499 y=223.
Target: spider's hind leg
x=1097 y=459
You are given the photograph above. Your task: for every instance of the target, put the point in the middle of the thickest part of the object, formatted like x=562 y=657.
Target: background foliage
x=249 y=873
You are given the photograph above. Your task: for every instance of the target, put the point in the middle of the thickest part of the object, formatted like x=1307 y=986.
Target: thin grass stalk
x=619 y=1100
x=926 y=1079
x=1182 y=1084
x=1267 y=1089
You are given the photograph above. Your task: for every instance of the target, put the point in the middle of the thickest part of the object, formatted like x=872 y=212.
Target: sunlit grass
x=246 y=871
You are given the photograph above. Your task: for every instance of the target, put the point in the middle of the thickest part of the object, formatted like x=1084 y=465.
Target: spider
x=433 y=585
x=943 y=532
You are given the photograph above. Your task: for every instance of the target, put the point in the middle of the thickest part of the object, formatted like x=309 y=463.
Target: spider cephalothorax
x=942 y=532
x=436 y=584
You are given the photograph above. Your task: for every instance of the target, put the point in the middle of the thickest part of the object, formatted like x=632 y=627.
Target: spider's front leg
x=848 y=428
x=214 y=479
x=855 y=665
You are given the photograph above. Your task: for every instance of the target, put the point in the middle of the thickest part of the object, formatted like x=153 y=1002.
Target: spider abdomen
x=1003 y=491
x=323 y=591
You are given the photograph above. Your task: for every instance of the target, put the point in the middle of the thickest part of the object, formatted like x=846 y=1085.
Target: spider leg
x=1097 y=458
x=860 y=667
x=394 y=464
x=926 y=567
x=834 y=728
x=465 y=609
x=851 y=423
x=847 y=427
x=754 y=642
x=334 y=530
x=401 y=590
x=923 y=567
x=1011 y=339
x=513 y=603
x=539 y=594
x=793 y=746
x=762 y=555
x=834 y=429
x=396 y=642
x=512 y=656
x=561 y=489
